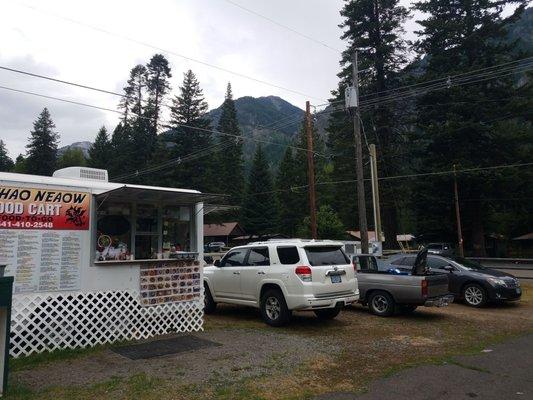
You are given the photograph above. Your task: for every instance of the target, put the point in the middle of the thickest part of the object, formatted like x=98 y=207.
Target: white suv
x=283 y=275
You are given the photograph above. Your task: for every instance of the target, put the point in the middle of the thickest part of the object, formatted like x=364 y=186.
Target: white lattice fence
x=51 y=321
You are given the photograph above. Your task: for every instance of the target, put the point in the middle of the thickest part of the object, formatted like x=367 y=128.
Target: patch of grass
x=36 y=360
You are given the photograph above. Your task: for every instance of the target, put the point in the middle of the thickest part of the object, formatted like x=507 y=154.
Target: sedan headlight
x=496 y=281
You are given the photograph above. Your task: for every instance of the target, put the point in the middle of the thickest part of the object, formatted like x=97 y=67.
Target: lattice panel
x=51 y=321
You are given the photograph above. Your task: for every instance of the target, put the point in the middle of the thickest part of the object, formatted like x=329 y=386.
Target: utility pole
x=352 y=102
x=375 y=191
x=458 y=214
x=310 y=169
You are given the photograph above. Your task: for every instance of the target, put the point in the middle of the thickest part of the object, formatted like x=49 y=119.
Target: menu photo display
x=170 y=281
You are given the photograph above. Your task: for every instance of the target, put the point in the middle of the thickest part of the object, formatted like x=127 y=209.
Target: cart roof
x=109 y=190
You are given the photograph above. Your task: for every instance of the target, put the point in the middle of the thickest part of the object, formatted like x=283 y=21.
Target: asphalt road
x=504 y=371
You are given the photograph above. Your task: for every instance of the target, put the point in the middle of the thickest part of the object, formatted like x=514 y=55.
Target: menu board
x=42 y=260
x=170 y=281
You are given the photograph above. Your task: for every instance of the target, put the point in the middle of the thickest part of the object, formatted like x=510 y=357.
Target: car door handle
x=261 y=273
x=236 y=273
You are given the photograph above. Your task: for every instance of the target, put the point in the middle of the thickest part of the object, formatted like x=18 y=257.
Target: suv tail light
x=304 y=273
x=424 y=285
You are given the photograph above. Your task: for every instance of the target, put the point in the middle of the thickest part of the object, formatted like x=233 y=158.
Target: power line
x=445 y=78
x=150 y=119
x=168 y=52
x=284 y=26
x=424 y=174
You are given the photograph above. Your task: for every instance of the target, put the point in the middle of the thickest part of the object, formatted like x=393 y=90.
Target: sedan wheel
x=474 y=295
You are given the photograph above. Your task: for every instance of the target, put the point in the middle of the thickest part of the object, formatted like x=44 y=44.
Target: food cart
x=95 y=261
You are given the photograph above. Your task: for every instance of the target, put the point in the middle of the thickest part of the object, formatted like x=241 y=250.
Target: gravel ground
x=243 y=354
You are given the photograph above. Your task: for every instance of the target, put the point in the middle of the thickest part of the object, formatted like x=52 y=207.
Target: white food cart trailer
x=96 y=262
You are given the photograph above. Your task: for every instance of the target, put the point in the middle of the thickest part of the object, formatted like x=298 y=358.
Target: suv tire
x=381 y=304
x=274 y=309
x=209 y=303
x=328 y=313
x=474 y=295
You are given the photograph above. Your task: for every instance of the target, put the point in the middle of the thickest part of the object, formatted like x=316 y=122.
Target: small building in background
x=522 y=246
x=225 y=232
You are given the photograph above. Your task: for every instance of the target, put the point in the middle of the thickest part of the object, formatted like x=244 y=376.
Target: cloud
x=47 y=41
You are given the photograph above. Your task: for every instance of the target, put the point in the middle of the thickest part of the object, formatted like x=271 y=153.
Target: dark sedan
x=470 y=281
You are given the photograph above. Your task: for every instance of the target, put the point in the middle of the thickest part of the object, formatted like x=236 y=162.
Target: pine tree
x=6 y=163
x=230 y=159
x=466 y=128
x=100 y=152
x=72 y=158
x=157 y=83
x=20 y=165
x=132 y=104
x=374 y=29
x=190 y=135
x=42 y=146
x=260 y=212
x=289 y=195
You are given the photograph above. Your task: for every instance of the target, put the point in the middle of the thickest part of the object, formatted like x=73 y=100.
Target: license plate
x=518 y=291
x=336 y=279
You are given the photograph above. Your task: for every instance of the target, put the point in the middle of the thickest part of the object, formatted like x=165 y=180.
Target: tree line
x=479 y=124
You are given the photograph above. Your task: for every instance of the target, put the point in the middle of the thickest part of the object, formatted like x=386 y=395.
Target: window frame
x=244 y=260
x=247 y=260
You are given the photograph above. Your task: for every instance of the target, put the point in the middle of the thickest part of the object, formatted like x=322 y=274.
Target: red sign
x=24 y=208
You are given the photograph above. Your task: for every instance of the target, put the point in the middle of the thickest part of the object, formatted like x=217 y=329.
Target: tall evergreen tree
x=466 y=127
x=6 y=163
x=260 y=212
x=289 y=196
x=374 y=29
x=42 y=146
x=230 y=159
x=135 y=90
x=157 y=83
x=190 y=135
x=100 y=152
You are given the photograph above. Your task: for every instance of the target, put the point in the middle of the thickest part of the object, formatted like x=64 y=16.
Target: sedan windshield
x=326 y=255
x=467 y=264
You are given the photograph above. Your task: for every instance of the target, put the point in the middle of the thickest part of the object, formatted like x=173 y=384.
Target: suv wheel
x=474 y=295
x=381 y=304
x=209 y=303
x=328 y=313
x=274 y=308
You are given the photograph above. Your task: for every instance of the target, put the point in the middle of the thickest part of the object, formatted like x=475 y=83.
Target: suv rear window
x=326 y=255
x=288 y=255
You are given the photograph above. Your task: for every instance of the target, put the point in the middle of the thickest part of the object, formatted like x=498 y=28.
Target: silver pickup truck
x=388 y=292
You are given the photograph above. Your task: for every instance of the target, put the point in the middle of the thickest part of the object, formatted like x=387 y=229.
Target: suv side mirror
x=217 y=263
x=449 y=268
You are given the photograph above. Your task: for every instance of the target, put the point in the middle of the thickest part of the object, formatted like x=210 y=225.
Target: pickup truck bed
x=400 y=292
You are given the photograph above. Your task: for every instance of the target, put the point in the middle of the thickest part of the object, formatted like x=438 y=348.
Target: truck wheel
x=474 y=295
x=209 y=303
x=381 y=304
x=407 y=309
x=274 y=308
x=328 y=313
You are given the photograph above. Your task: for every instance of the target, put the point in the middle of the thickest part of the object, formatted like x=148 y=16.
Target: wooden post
x=311 y=170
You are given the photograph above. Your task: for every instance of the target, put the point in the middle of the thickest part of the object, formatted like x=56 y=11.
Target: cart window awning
x=129 y=194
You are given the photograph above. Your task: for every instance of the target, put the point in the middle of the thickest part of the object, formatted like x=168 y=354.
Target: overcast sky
x=57 y=38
